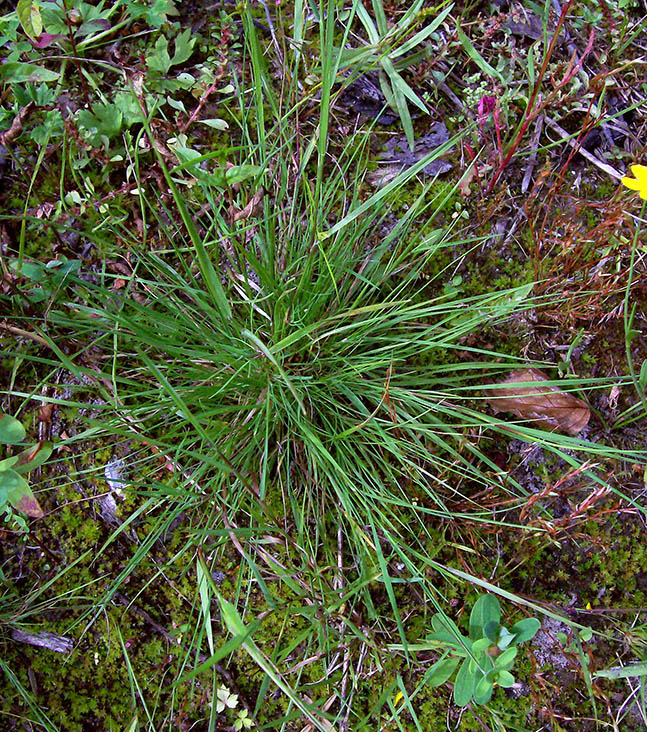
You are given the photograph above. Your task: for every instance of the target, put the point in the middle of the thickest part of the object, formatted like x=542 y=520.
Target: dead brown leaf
x=16 y=126
x=546 y=405
x=45 y=412
x=251 y=209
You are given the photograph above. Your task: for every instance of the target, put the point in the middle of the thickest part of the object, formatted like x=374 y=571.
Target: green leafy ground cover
x=280 y=495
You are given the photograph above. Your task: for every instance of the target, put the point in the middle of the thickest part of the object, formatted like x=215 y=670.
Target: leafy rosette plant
x=485 y=658
x=14 y=489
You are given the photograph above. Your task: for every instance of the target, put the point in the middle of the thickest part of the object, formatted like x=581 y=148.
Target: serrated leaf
x=441 y=671
x=11 y=430
x=28 y=13
x=159 y=60
x=183 y=47
x=19 y=493
x=486 y=610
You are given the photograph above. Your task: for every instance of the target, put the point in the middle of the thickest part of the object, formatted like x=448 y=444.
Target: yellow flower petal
x=631 y=183
x=640 y=171
x=639 y=183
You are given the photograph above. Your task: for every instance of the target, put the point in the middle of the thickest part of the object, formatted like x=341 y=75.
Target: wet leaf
x=526 y=394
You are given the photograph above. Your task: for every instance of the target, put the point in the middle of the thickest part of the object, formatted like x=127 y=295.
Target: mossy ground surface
x=133 y=645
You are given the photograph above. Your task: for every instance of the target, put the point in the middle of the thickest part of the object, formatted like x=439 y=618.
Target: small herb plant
x=14 y=489
x=485 y=658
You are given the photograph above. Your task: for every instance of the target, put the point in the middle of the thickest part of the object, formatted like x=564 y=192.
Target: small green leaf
x=11 y=430
x=505 y=679
x=464 y=685
x=29 y=16
x=525 y=629
x=440 y=672
x=643 y=374
x=587 y=633
x=505 y=638
x=8 y=463
x=481 y=645
x=483 y=690
x=504 y=661
x=19 y=493
x=217 y=124
x=239 y=173
x=486 y=610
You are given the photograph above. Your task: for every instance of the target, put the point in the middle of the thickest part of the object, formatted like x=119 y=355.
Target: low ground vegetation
x=323 y=375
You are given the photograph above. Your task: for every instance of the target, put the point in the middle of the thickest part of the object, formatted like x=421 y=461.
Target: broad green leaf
x=17 y=72
x=483 y=690
x=525 y=629
x=486 y=610
x=28 y=13
x=33 y=457
x=239 y=173
x=504 y=661
x=444 y=636
x=464 y=685
x=440 y=672
x=11 y=430
x=19 y=494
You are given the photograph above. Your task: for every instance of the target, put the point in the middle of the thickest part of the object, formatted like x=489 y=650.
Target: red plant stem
x=531 y=113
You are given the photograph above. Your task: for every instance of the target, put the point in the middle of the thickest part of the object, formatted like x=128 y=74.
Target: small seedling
x=14 y=489
x=485 y=658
